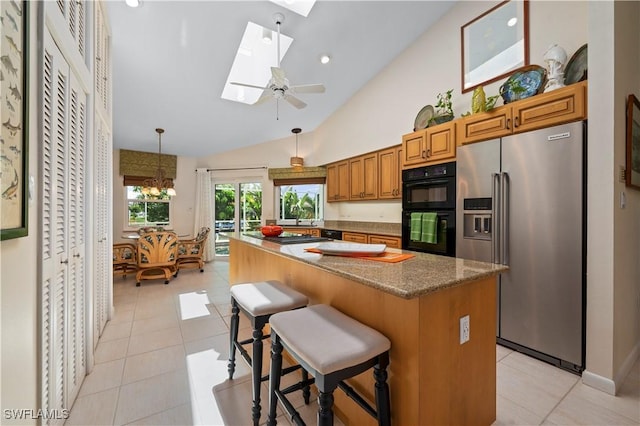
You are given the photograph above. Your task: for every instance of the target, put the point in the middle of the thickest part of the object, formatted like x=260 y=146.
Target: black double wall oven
x=430 y=189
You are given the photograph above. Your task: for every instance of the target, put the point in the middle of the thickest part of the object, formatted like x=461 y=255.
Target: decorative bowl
x=271 y=230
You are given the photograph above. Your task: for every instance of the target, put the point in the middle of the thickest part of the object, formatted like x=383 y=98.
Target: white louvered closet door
x=103 y=278
x=64 y=130
x=74 y=13
x=102 y=167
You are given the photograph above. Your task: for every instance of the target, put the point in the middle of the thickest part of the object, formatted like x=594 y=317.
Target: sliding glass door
x=238 y=207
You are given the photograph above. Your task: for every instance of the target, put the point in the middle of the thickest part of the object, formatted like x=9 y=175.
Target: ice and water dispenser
x=477 y=219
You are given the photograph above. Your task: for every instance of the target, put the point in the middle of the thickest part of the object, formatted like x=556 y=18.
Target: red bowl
x=271 y=230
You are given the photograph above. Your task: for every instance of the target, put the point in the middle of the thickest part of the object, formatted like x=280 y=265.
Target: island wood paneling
x=428 y=376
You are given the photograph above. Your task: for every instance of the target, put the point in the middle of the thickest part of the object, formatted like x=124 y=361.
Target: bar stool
x=259 y=301
x=332 y=347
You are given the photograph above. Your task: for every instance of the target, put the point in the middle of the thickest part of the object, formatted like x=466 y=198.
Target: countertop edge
x=387 y=288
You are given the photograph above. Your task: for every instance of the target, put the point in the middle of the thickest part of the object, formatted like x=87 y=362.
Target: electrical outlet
x=465 y=331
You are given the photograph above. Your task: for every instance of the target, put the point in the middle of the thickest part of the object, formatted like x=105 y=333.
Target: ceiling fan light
x=325 y=59
x=132 y=3
x=154 y=191
x=171 y=192
x=297 y=162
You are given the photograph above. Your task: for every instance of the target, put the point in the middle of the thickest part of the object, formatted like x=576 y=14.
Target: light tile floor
x=162 y=360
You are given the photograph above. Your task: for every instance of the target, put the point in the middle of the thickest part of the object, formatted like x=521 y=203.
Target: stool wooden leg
x=233 y=338
x=382 y=390
x=256 y=369
x=274 y=377
x=325 y=412
x=306 y=390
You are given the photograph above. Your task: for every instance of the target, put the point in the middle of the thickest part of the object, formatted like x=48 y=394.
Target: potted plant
x=444 y=108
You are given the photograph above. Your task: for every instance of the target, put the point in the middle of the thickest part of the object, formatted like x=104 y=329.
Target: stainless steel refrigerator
x=521 y=201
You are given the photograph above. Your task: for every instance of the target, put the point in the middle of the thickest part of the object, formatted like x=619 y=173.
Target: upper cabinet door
x=389 y=173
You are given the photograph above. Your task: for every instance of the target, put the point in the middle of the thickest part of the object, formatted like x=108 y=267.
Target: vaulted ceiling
x=171 y=60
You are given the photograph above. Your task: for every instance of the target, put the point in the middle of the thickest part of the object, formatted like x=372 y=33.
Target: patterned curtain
x=204 y=211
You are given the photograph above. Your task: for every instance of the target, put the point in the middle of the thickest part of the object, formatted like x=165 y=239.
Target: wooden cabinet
x=548 y=109
x=390 y=173
x=355 y=237
x=393 y=242
x=315 y=232
x=363 y=177
x=431 y=145
x=338 y=181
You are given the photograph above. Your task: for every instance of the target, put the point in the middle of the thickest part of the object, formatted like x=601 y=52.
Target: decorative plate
x=423 y=118
x=524 y=83
x=352 y=249
x=576 y=69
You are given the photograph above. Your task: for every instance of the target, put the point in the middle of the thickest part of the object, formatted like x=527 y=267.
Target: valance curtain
x=204 y=214
x=145 y=164
x=298 y=175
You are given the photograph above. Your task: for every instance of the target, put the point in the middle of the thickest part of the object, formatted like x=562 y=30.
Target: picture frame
x=494 y=44
x=632 y=174
x=14 y=129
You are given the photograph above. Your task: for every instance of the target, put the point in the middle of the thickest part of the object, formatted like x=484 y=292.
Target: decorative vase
x=478 y=100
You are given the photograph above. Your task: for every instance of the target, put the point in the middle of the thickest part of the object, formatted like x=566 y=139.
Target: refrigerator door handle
x=495 y=214
x=504 y=222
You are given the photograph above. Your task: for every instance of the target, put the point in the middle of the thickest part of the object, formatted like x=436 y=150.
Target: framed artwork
x=633 y=142
x=14 y=80
x=495 y=44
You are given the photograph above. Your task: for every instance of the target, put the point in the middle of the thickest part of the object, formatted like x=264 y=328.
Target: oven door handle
x=427 y=183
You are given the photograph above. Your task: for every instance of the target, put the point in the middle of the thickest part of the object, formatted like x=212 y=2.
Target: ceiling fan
x=278 y=86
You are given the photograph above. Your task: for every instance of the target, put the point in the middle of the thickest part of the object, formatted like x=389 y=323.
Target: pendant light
x=159 y=182
x=296 y=161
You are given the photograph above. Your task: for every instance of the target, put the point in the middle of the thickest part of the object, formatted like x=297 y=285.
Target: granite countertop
x=377 y=228
x=423 y=274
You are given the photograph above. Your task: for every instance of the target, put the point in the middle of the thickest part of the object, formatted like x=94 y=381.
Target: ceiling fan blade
x=278 y=76
x=308 y=88
x=247 y=85
x=266 y=95
x=295 y=101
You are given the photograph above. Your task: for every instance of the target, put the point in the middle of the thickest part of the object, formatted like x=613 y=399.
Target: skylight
x=253 y=62
x=301 y=7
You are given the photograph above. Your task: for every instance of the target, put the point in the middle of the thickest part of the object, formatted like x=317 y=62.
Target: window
x=304 y=202
x=147 y=210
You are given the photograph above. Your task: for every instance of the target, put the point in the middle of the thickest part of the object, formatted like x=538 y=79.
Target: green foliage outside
x=149 y=211
x=298 y=206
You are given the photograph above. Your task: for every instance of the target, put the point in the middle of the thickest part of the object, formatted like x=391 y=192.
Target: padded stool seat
x=267 y=297
x=259 y=301
x=332 y=347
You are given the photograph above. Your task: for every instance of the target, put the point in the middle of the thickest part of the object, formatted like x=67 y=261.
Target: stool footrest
x=348 y=390
x=285 y=371
x=298 y=386
x=294 y=416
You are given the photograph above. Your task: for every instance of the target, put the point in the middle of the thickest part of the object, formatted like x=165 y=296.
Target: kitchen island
x=417 y=304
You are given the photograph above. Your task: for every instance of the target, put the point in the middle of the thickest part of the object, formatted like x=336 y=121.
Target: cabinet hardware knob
x=429 y=153
x=515 y=122
x=424 y=154
x=508 y=123
x=76 y=255
x=64 y=261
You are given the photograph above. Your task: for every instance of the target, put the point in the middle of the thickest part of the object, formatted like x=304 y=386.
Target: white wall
x=18 y=282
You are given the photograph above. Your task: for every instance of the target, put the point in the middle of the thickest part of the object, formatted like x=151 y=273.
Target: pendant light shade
x=296 y=161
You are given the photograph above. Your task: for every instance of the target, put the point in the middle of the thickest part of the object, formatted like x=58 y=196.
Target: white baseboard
x=611 y=386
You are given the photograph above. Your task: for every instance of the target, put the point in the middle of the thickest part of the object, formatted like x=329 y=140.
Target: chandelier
x=296 y=161
x=159 y=182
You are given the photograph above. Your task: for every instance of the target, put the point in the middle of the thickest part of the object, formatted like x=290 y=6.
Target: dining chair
x=191 y=252
x=124 y=259
x=157 y=256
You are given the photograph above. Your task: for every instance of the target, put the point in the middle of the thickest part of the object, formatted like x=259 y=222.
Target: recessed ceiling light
x=511 y=22
x=132 y=3
x=324 y=59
